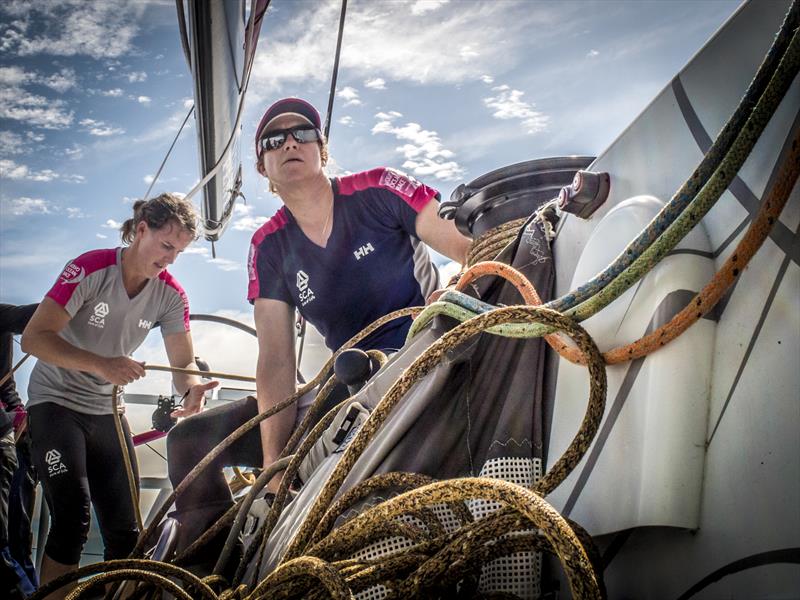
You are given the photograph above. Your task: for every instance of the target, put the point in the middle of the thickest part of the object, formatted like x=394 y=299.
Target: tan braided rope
x=425 y=363
x=573 y=557
x=84 y=589
x=462 y=558
x=127 y=460
x=705 y=300
x=490 y=242
x=165 y=569
x=221 y=523
x=259 y=542
x=247 y=426
x=310 y=569
x=362 y=490
x=262 y=480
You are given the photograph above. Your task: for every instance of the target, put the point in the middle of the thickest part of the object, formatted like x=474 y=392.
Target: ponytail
x=158 y=212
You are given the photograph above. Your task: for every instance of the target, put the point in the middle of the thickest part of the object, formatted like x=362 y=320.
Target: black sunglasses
x=272 y=140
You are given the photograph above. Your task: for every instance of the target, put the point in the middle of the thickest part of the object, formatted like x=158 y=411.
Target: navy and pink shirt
x=104 y=320
x=374 y=262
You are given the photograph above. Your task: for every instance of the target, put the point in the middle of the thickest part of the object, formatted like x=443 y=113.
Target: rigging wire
x=163 y=162
x=301 y=322
x=335 y=73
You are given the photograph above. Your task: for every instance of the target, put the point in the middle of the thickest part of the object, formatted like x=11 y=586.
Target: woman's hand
x=195 y=399
x=120 y=370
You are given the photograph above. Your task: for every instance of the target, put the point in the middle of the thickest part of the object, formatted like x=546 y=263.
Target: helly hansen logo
x=54 y=464
x=306 y=294
x=363 y=251
x=98 y=319
x=145 y=324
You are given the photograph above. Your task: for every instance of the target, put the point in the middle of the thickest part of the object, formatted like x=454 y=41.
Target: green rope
x=711 y=192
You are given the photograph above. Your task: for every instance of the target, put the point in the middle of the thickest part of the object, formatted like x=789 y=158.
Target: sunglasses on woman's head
x=272 y=140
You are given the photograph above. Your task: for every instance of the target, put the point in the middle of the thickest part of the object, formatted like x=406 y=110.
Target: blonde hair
x=158 y=212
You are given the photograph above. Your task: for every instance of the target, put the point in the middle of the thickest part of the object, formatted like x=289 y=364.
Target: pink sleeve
x=76 y=272
x=411 y=191
x=177 y=316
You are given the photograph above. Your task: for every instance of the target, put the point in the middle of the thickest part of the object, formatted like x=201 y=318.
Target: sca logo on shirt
x=54 y=464
x=306 y=294
x=98 y=319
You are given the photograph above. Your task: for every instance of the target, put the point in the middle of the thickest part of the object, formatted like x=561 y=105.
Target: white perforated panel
x=518 y=574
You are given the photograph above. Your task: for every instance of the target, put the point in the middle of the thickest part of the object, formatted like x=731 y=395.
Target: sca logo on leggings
x=54 y=464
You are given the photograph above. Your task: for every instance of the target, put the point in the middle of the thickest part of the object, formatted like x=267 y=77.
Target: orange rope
x=703 y=302
x=529 y=294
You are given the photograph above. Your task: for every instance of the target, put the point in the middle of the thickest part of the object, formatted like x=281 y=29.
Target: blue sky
x=92 y=93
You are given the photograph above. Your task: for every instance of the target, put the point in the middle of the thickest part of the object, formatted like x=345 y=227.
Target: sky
x=92 y=94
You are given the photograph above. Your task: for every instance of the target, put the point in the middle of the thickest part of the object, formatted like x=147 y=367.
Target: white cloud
x=12 y=170
x=148 y=179
x=244 y=220
x=164 y=129
x=23 y=205
x=71 y=28
x=346 y=120
x=101 y=236
x=468 y=52
x=75 y=152
x=61 y=81
x=385 y=40
x=350 y=95
x=376 y=83
x=95 y=29
x=137 y=77
x=111 y=224
x=112 y=93
x=420 y=7
x=226 y=265
x=487 y=79
x=74 y=212
x=34 y=137
x=100 y=128
x=388 y=116
x=592 y=53
x=508 y=104
x=198 y=250
x=19 y=104
x=188 y=103
x=12 y=143
x=17 y=76
x=144 y=100
x=424 y=152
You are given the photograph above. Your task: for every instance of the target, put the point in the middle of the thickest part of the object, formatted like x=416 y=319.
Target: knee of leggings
x=183 y=451
x=65 y=544
x=119 y=543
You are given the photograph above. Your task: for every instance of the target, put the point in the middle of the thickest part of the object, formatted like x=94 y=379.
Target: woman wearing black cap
x=343 y=251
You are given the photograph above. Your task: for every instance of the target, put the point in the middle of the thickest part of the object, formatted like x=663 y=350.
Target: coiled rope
x=434 y=559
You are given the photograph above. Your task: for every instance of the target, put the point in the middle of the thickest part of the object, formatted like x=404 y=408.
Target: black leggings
x=191 y=440
x=80 y=462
